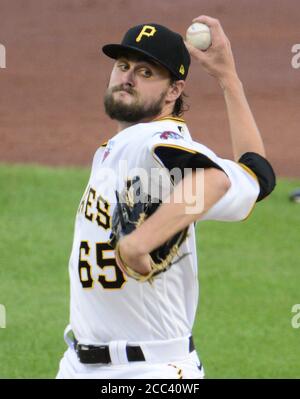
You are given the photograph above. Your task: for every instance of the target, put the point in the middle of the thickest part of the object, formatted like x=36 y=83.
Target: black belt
x=90 y=354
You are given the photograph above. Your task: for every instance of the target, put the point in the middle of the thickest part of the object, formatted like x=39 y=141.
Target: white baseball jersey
x=105 y=304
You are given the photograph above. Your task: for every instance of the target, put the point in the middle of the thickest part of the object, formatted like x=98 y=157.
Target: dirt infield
x=51 y=90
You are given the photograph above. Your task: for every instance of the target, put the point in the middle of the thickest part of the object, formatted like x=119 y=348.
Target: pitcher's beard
x=134 y=112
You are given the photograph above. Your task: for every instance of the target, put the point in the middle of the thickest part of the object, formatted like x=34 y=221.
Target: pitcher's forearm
x=163 y=224
x=172 y=217
x=218 y=61
x=245 y=135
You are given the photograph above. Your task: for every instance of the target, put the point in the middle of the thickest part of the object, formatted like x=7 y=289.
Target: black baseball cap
x=157 y=43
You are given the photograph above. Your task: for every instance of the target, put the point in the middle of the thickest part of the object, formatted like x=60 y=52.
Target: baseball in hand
x=198 y=35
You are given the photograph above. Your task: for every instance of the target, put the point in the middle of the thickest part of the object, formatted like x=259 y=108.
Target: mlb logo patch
x=170 y=135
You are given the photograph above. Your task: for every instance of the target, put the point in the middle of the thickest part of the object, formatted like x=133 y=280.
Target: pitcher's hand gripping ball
x=132 y=209
x=199 y=36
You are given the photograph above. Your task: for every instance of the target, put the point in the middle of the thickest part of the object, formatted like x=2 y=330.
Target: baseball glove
x=132 y=209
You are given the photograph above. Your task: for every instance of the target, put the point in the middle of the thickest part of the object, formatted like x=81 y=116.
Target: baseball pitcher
x=133 y=266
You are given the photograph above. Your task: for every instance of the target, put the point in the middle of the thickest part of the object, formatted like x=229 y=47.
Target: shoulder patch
x=169 y=135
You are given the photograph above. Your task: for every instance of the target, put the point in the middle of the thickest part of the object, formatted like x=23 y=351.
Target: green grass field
x=249 y=273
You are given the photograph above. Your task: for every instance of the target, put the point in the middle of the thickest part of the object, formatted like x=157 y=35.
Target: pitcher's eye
x=146 y=72
x=123 y=66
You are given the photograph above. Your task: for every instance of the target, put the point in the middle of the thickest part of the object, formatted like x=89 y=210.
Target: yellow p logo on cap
x=147 y=31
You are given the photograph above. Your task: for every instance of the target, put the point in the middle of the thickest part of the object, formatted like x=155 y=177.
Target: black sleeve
x=178 y=158
x=263 y=171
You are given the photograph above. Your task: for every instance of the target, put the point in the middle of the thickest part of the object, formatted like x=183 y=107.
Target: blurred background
x=52 y=89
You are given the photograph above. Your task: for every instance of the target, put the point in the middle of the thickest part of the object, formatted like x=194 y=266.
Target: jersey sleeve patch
x=262 y=170
x=166 y=135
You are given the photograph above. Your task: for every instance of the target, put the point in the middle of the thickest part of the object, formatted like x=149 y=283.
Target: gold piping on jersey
x=104 y=144
x=250 y=212
x=158 y=160
x=251 y=173
x=172 y=118
x=179 y=370
x=178 y=147
x=247 y=169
